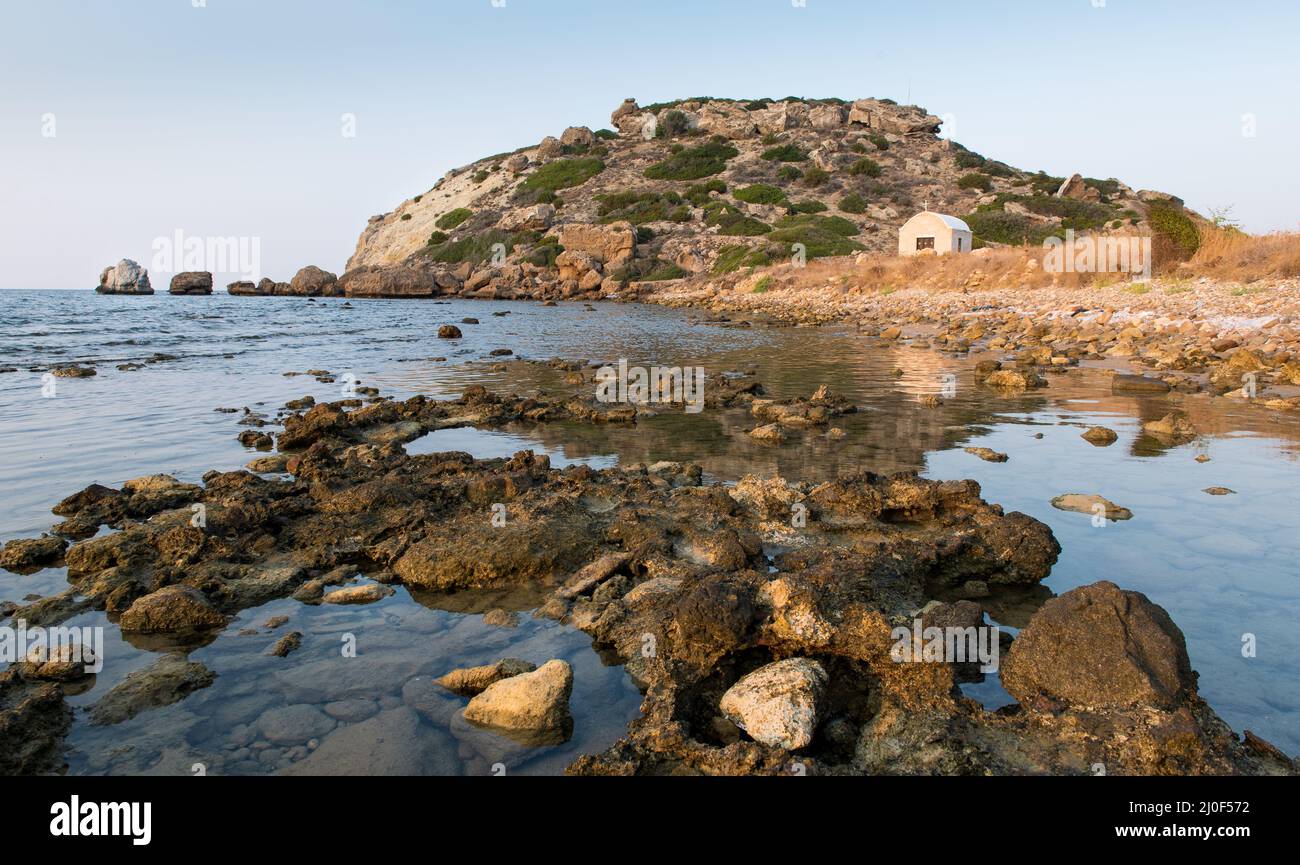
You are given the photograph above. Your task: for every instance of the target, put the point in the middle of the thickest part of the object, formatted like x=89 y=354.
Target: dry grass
x=1231 y=255
x=1224 y=255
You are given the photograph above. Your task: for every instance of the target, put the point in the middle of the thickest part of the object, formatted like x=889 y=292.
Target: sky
x=125 y=122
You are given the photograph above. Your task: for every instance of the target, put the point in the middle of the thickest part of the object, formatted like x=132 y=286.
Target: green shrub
x=672 y=124
x=648 y=270
x=437 y=237
x=476 y=248
x=731 y=258
x=809 y=206
x=769 y=139
x=731 y=222
x=562 y=174
x=1046 y=183
x=1079 y=215
x=1176 y=236
x=859 y=147
x=453 y=218
x=699 y=193
x=644 y=234
x=789 y=172
x=763 y=284
x=1010 y=228
x=785 y=153
x=758 y=105
x=1108 y=188
x=606 y=134
x=546 y=251
x=816 y=238
x=829 y=224
x=815 y=177
x=693 y=163
x=406 y=217
x=418 y=199
x=760 y=193
x=998 y=169
x=639 y=207
x=975 y=180
x=865 y=167
x=881 y=142
x=967 y=159
x=853 y=203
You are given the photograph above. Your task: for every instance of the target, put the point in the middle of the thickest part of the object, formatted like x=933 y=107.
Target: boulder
x=449 y=331
x=778 y=704
x=1078 y=190
x=191 y=282
x=126 y=277
x=173 y=609
x=25 y=555
x=577 y=136
x=1100 y=436
x=311 y=281
x=294 y=725
x=627 y=117
x=827 y=116
x=609 y=245
x=550 y=148
x=408 y=279
x=1100 y=646
x=531 y=707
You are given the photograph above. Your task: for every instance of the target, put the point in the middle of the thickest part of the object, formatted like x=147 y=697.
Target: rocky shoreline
x=759 y=619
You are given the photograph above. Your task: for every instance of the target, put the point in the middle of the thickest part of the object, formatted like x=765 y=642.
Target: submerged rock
x=777 y=704
x=988 y=455
x=33 y=721
x=1100 y=436
x=391 y=743
x=168 y=680
x=28 y=555
x=1091 y=503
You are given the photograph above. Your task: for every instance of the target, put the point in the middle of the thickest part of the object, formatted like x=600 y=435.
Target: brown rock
x=174 y=609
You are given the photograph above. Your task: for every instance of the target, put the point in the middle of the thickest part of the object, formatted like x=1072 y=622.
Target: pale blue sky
x=225 y=120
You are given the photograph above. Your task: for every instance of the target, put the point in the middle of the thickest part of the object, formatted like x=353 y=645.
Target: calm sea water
x=1224 y=567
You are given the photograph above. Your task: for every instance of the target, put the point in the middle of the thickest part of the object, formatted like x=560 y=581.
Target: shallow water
x=1223 y=567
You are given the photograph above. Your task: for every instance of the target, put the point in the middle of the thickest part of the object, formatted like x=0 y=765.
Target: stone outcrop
x=1100 y=646
x=607 y=245
x=191 y=282
x=311 y=281
x=126 y=277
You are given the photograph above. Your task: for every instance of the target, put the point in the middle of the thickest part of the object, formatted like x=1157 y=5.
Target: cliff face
x=707 y=186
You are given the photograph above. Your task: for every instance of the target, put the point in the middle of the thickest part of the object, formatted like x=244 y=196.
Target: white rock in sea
x=126 y=277
x=778 y=704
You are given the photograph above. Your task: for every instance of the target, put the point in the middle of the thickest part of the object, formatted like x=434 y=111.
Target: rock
x=531 y=707
x=275 y=464
x=1089 y=503
x=475 y=680
x=410 y=278
x=66 y=664
x=191 y=282
x=449 y=331
x=577 y=136
x=1014 y=379
x=1137 y=384
x=769 y=433
x=626 y=113
x=1100 y=646
x=1077 y=189
x=366 y=594
x=351 y=711
x=126 y=278
x=517 y=163
x=287 y=644
x=168 y=680
x=311 y=281
x=391 y=743
x=549 y=148
x=1100 y=436
x=26 y=555
x=74 y=371
x=1219 y=491
x=536 y=218
x=173 y=610
x=778 y=704
x=294 y=725
x=499 y=618
x=988 y=455
x=1174 y=425
x=33 y=721
x=608 y=245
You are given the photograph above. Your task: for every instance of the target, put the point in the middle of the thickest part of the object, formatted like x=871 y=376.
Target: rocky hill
x=708 y=186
